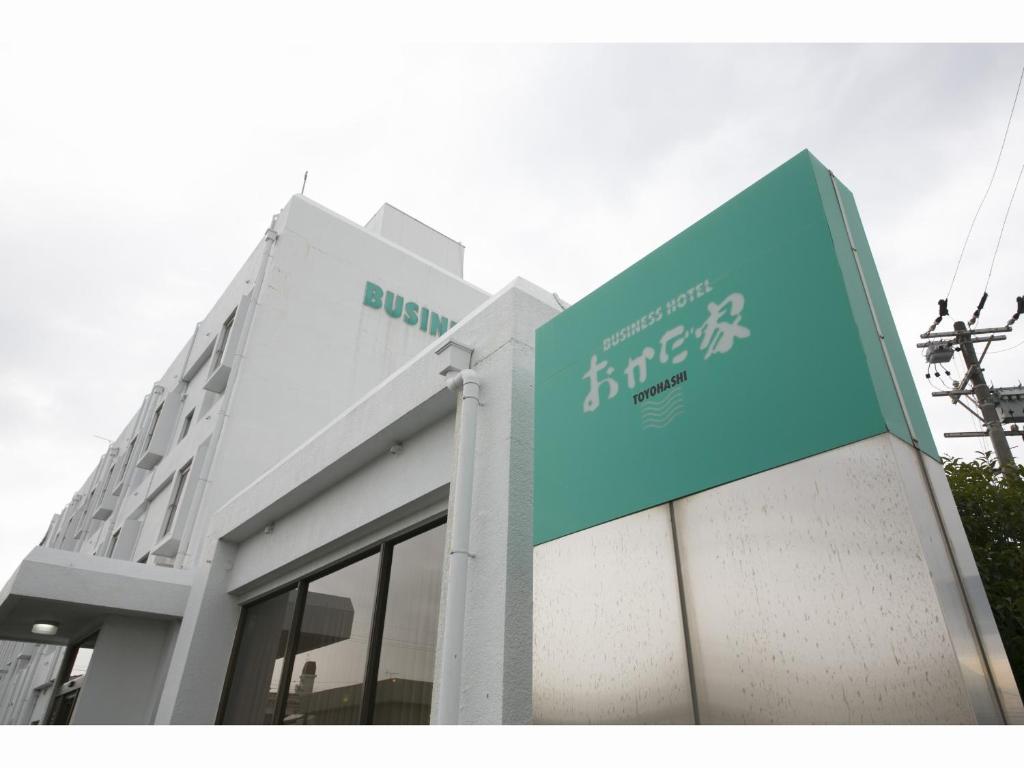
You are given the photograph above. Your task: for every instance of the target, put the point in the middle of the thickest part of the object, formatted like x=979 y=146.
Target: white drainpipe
x=450 y=681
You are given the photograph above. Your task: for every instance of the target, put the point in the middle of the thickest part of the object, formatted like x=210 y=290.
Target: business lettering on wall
x=409 y=312
x=660 y=401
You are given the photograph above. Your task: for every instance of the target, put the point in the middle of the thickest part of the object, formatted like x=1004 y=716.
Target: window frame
x=109 y=477
x=186 y=424
x=157 y=413
x=129 y=450
x=172 y=506
x=222 y=339
x=385 y=548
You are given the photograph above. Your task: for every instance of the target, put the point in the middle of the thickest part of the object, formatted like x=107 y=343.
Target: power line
x=987 y=189
x=1003 y=228
x=1000 y=351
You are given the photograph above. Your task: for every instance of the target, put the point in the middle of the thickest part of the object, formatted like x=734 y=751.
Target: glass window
x=127 y=457
x=172 y=508
x=352 y=629
x=222 y=341
x=330 y=661
x=110 y=474
x=252 y=697
x=113 y=543
x=152 y=427
x=406 y=671
x=187 y=424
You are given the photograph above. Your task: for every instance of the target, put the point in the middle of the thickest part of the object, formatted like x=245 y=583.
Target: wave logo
x=658 y=414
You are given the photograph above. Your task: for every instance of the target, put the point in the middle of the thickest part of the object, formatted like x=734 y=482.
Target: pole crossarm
x=968 y=332
x=989 y=339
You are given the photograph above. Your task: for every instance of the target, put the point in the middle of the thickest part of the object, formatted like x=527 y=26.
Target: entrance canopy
x=76 y=591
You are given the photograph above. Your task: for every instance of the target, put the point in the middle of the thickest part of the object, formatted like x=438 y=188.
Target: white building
x=304 y=425
x=267 y=540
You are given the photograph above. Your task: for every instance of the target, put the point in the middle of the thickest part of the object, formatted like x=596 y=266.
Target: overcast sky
x=139 y=166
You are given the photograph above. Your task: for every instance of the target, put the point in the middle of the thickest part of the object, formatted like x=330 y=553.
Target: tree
x=991 y=505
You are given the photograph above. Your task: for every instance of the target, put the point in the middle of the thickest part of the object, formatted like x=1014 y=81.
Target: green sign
x=742 y=344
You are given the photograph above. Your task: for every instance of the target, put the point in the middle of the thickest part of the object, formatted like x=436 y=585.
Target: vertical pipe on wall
x=450 y=681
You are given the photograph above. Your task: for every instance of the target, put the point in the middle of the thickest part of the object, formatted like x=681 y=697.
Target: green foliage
x=991 y=506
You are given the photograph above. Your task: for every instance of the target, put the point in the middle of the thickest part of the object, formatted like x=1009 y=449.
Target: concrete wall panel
x=608 y=629
x=810 y=600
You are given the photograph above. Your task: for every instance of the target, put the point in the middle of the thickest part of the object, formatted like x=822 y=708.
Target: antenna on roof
x=304 y=177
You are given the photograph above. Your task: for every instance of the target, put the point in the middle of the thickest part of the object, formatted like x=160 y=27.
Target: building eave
x=75 y=591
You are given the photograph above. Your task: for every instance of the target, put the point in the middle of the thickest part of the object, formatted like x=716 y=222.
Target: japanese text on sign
x=717 y=334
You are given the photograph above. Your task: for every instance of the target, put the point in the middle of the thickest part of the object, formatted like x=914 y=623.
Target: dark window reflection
x=330 y=661
x=406 y=671
x=258 y=659
x=333 y=646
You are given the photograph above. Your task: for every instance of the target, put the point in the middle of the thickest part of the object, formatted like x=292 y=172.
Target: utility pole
x=986 y=403
x=996 y=406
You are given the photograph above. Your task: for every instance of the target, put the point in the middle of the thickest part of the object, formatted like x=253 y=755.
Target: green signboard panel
x=744 y=343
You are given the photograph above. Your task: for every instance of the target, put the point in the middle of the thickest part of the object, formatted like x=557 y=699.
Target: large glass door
x=405 y=673
x=326 y=683
x=352 y=645
x=259 y=660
